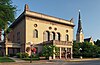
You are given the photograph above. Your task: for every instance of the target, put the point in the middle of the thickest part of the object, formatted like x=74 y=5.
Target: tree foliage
x=7 y=14
x=97 y=42
x=88 y=50
x=48 y=50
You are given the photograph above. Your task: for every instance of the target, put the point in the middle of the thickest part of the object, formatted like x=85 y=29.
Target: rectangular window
x=13 y=38
x=18 y=36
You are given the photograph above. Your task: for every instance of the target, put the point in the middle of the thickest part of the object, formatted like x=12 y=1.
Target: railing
x=13 y=44
x=62 y=42
x=57 y=42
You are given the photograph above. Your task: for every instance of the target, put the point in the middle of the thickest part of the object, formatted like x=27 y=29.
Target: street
x=92 y=62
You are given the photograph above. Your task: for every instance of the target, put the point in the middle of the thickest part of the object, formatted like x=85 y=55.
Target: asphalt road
x=93 y=62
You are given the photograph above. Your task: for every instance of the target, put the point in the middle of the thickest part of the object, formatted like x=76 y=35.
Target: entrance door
x=68 y=55
x=62 y=52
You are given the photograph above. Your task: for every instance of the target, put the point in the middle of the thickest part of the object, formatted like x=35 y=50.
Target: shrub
x=19 y=55
x=25 y=55
x=11 y=55
x=22 y=55
x=35 y=56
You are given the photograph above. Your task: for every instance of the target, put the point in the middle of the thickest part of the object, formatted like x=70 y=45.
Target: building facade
x=39 y=29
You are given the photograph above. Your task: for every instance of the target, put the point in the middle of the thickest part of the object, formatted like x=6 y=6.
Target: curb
x=75 y=60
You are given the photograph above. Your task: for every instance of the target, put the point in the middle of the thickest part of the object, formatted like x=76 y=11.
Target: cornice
x=49 y=18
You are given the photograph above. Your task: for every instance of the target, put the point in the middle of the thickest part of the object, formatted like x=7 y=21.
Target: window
x=67 y=37
x=35 y=33
x=53 y=36
x=58 y=36
x=13 y=38
x=46 y=36
x=18 y=36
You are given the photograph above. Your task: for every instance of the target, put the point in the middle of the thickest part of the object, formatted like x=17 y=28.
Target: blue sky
x=67 y=9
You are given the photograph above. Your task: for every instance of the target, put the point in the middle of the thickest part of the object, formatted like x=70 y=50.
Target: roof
x=29 y=13
x=87 y=39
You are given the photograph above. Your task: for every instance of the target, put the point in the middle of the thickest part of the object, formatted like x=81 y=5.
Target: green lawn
x=28 y=59
x=6 y=59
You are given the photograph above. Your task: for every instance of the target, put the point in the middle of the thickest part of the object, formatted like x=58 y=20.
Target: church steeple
x=79 y=30
x=79 y=35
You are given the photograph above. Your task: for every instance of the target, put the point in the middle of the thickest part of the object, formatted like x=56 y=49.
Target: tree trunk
x=5 y=34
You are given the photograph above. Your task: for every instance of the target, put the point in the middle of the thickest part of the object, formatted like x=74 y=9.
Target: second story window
x=52 y=36
x=58 y=36
x=35 y=33
x=18 y=36
x=46 y=36
x=13 y=38
x=67 y=37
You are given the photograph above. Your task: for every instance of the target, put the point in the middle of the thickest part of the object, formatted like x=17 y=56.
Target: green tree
x=7 y=15
x=76 y=47
x=88 y=50
x=97 y=42
x=48 y=50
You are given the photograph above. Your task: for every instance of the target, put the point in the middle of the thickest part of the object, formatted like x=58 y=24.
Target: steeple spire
x=79 y=35
x=79 y=30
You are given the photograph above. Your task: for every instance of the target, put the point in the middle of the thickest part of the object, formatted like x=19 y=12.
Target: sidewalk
x=56 y=60
x=17 y=59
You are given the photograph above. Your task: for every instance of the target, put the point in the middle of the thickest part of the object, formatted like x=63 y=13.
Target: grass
x=6 y=59
x=28 y=59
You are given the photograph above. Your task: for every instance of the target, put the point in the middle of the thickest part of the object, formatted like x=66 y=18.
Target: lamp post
x=31 y=45
x=80 y=49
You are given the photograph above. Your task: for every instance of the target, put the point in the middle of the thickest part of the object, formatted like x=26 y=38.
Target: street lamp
x=80 y=49
x=31 y=45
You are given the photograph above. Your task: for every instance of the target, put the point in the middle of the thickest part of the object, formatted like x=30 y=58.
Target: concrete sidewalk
x=17 y=59
x=34 y=61
x=56 y=60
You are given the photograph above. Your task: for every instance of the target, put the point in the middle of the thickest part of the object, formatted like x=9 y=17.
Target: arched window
x=58 y=36
x=67 y=37
x=52 y=36
x=46 y=36
x=35 y=33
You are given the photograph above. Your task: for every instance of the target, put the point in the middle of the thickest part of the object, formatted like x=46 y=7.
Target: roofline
x=58 y=20
x=50 y=18
x=48 y=15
